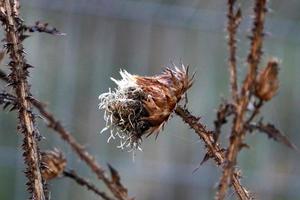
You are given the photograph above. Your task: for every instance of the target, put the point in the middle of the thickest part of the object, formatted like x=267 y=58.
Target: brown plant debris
x=86 y=183
x=272 y=133
x=234 y=18
x=224 y=111
x=79 y=149
x=213 y=148
x=238 y=129
x=267 y=82
x=11 y=22
x=43 y=28
x=141 y=105
x=53 y=164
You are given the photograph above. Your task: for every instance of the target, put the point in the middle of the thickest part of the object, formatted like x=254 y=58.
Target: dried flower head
x=267 y=82
x=53 y=164
x=140 y=105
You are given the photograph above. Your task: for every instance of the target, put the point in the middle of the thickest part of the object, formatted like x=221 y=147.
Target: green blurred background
x=143 y=36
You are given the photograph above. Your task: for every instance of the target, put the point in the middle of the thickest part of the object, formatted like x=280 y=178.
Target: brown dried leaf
x=273 y=133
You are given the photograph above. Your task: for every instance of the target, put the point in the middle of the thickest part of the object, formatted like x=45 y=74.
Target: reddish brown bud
x=142 y=104
x=53 y=164
x=267 y=82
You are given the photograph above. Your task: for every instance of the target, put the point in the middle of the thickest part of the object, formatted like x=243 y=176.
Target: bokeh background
x=143 y=36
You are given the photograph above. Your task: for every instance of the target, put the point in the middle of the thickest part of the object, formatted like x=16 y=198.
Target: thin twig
x=224 y=111
x=272 y=133
x=234 y=19
x=238 y=129
x=11 y=22
x=116 y=189
x=213 y=149
x=82 y=181
x=80 y=151
x=43 y=28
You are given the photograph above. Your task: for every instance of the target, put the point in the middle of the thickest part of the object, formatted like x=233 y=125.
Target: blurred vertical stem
x=234 y=19
x=18 y=79
x=238 y=129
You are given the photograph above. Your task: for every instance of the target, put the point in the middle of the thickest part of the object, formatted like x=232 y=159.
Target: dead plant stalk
x=22 y=90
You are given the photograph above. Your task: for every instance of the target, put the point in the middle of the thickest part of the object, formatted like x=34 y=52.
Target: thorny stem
x=238 y=130
x=213 y=149
x=233 y=23
x=225 y=110
x=80 y=150
x=82 y=181
x=30 y=146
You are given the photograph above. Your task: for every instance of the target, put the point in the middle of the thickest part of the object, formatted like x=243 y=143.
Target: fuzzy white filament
x=119 y=97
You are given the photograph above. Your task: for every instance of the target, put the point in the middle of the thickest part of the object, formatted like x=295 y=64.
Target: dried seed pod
x=53 y=164
x=140 y=105
x=267 y=82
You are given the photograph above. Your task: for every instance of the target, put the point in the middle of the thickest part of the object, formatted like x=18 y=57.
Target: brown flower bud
x=142 y=104
x=53 y=164
x=267 y=82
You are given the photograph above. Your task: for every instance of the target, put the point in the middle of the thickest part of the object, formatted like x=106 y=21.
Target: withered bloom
x=267 y=82
x=53 y=164
x=141 y=105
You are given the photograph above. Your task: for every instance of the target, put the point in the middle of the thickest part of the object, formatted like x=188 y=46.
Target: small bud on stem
x=53 y=164
x=267 y=82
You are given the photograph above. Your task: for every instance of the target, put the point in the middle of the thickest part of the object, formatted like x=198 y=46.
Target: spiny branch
x=117 y=189
x=272 y=133
x=234 y=19
x=43 y=28
x=224 y=111
x=82 y=181
x=18 y=78
x=238 y=129
x=214 y=150
x=83 y=154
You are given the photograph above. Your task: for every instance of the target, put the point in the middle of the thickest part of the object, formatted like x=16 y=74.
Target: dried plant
x=267 y=82
x=86 y=183
x=43 y=28
x=118 y=190
x=18 y=80
x=22 y=100
x=53 y=164
x=142 y=104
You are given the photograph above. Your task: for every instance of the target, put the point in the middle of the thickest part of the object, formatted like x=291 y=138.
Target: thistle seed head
x=267 y=82
x=140 y=105
x=53 y=164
